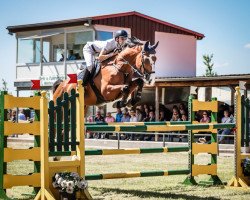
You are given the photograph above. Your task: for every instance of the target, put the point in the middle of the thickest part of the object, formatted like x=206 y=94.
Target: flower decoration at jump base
x=69 y=182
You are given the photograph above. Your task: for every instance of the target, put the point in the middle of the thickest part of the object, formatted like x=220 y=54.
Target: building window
x=54 y=48
x=76 y=42
x=28 y=50
x=104 y=35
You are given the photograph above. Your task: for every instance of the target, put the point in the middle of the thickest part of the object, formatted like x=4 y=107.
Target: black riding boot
x=84 y=76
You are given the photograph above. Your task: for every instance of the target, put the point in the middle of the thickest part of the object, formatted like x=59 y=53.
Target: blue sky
x=225 y=23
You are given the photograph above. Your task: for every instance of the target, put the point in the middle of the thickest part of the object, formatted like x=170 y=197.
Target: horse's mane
x=133 y=41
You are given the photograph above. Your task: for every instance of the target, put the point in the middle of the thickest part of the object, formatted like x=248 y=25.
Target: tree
x=207 y=60
x=4 y=83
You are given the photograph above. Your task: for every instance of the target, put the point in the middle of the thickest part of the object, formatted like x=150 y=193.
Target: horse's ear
x=146 y=47
x=150 y=49
x=155 y=45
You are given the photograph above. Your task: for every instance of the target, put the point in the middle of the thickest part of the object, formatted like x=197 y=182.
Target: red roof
x=141 y=25
x=200 y=35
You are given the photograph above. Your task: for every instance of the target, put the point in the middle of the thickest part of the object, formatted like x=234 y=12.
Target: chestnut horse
x=120 y=76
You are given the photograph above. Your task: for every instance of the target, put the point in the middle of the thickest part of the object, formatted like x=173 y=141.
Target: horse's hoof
x=131 y=102
x=116 y=105
x=119 y=104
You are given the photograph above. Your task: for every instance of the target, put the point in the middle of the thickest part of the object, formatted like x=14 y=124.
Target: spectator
x=226 y=131
x=89 y=134
x=182 y=109
x=175 y=117
x=162 y=116
x=142 y=110
x=118 y=117
x=205 y=119
x=133 y=118
x=146 y=118
x=21 y=115
x=71 y=55
x=184 y=117
x=13 y=116
x=99 y=118
x=138 y=115
x=125 y=116
x=145 y=106
x=151 y=108
x=151 y=118
x=62 y=57
x=109 y=118
x=175 y=108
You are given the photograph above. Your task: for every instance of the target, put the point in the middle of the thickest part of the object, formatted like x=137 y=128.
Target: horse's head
x=141 y=58
x=146 y=60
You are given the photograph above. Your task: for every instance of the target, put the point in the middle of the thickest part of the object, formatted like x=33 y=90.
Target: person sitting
x=118 y=116
x=175 y=117
x=71 y=55
x=226 y=131
x=126 y=116
x=205 y=119
x=151 y=118
x=99 y=119
x=62 y=58
x=21 y=115
x=108 y=119
x=162 y=116
x=182 y=109
x=105 y=49
x=133 y=118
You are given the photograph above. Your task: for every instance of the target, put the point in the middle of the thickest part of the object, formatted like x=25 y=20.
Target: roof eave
x=47 y=25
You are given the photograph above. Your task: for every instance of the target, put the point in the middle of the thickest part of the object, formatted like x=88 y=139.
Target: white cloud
x=247 y=46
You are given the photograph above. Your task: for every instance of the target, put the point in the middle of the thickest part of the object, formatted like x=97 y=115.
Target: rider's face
x=121 y=40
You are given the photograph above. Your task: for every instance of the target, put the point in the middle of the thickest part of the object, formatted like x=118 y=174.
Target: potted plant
x=68 y=183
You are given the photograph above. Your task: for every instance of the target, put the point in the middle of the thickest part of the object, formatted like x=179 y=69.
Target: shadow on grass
x=149 y=194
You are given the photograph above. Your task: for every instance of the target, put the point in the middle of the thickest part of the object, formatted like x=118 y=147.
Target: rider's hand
x=117 y=50
x=115 y=53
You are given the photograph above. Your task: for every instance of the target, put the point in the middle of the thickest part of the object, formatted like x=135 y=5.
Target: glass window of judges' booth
x=76 y=42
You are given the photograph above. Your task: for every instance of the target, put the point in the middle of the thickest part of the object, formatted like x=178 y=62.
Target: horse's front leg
x=136 y=92
x=113 y=92
x=129 y=89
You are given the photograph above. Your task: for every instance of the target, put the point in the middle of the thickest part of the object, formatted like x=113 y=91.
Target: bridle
x=135 y=69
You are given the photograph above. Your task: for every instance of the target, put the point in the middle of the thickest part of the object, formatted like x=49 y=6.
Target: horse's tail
x=56 y=84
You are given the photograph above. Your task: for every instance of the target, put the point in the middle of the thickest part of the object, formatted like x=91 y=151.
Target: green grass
x=168 y=187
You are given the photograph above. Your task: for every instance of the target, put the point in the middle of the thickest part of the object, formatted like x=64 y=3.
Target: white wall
x=176 y=55
x=221 y=93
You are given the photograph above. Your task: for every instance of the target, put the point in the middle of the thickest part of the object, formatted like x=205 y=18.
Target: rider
x=106 y=49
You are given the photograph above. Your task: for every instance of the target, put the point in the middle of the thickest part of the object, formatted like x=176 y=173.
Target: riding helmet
x=121 y=33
